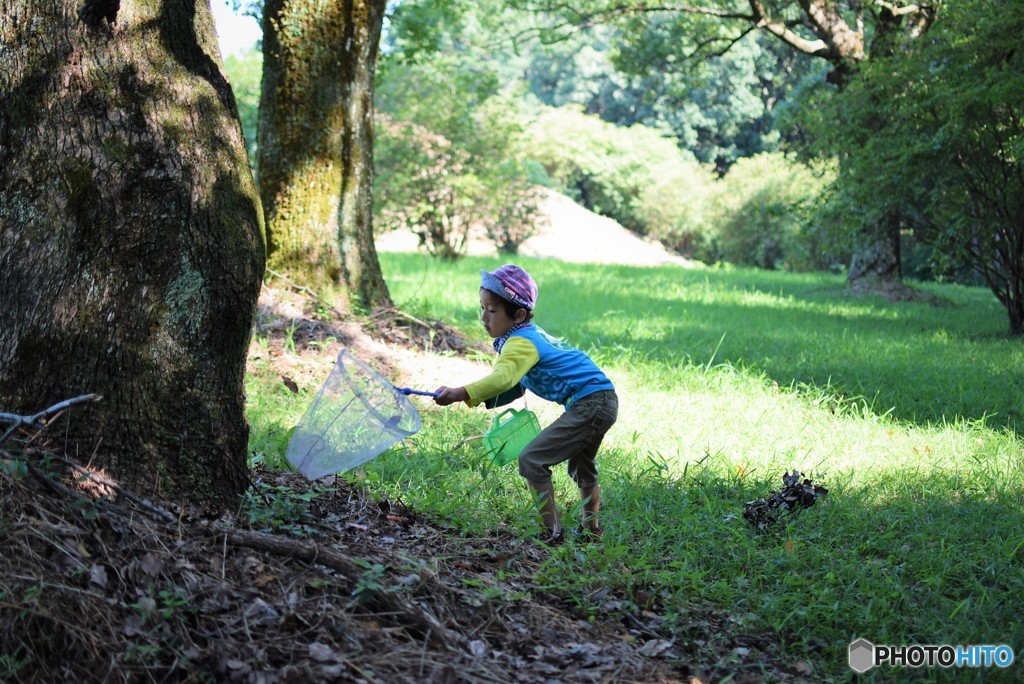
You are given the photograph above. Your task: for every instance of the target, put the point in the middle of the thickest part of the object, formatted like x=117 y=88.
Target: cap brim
x=490 y=283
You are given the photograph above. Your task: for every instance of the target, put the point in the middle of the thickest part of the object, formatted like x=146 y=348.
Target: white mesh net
x=356 y=415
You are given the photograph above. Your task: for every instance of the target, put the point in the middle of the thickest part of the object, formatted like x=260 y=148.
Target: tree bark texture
x=316 y=142
x=131 y=249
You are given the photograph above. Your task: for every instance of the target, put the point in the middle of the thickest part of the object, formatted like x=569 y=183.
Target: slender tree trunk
x=1002 y=271
x=1015 y=309
x=316 y=141
x=1015 y=289
x=131 y=249
x=359 y=252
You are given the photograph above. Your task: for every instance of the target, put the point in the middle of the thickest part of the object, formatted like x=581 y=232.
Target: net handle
x=408 y=390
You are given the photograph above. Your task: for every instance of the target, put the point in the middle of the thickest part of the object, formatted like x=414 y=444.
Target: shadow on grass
x=908 y=558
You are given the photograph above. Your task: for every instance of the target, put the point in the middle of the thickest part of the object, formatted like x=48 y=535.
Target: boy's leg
x=600 y=412
x=535 y=461
x=575 y=436
x=590 y=497
x=544 y=499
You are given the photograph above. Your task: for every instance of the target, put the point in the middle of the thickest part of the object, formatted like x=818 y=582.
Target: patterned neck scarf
x=499 y=342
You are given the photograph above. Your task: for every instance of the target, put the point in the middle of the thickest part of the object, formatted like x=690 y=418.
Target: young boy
x=530 y=359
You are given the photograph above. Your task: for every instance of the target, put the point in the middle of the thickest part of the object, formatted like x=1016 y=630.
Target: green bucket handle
x=496 y=421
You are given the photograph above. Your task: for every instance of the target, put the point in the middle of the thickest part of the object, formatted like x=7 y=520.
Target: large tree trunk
x=316 y=142
x=131 y=249
x=876 y=261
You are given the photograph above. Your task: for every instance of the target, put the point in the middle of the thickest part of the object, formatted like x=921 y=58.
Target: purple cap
x=512 y=284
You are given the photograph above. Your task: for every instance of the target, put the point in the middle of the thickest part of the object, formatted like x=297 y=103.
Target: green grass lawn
x=908 y=412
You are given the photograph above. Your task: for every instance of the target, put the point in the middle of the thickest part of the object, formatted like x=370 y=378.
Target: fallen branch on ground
x=40 y=422
x=311 y=552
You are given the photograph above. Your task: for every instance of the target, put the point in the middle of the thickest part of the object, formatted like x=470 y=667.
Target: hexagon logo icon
x=862 y=655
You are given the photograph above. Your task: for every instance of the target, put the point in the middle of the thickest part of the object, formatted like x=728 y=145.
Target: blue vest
x=563 y=374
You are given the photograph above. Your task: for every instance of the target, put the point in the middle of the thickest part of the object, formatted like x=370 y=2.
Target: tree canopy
x=938 y=135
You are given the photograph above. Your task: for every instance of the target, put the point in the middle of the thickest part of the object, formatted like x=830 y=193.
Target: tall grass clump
x=909 y=413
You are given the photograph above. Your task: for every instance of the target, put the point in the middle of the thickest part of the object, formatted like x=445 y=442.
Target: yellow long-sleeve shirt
x=518 y=356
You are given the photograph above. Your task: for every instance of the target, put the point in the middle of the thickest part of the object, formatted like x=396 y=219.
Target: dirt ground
x=330 y=584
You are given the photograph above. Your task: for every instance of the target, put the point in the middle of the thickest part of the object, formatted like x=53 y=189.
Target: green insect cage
x=511 y=430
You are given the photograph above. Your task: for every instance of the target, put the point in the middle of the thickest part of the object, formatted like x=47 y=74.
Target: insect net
x=356 y=415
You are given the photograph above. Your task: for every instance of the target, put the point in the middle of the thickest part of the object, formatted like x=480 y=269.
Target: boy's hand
x=450 y=395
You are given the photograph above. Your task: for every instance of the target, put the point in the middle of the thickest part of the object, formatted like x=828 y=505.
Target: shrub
x=604 y=167
x=674 y=207
x=762 y=211
x=424 y=183
x=448 y=159
x=511 y=199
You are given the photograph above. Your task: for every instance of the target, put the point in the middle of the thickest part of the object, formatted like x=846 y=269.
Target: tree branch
x=37 y=421
x=580 y=21
x=898 y=10
x=783 y=31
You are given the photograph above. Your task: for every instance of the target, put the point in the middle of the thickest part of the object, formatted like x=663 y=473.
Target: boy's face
x=493 y=315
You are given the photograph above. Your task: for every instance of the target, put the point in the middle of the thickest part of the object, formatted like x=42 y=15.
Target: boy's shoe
x=549 y=538
x=587 y=534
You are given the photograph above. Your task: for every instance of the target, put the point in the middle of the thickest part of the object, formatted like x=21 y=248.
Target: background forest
x=675 y=156
x=727 y=145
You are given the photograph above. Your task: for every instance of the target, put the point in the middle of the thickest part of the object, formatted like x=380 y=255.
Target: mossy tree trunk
x=316 y=142
x=131 y=248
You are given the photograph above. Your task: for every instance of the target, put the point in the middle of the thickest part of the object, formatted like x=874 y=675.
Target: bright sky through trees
x=235 y=32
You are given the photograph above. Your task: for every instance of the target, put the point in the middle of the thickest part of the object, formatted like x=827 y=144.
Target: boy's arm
x=506 y=397
x=518 y=356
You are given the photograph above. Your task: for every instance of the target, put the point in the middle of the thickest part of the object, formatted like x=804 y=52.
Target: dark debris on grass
x=797 y=494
